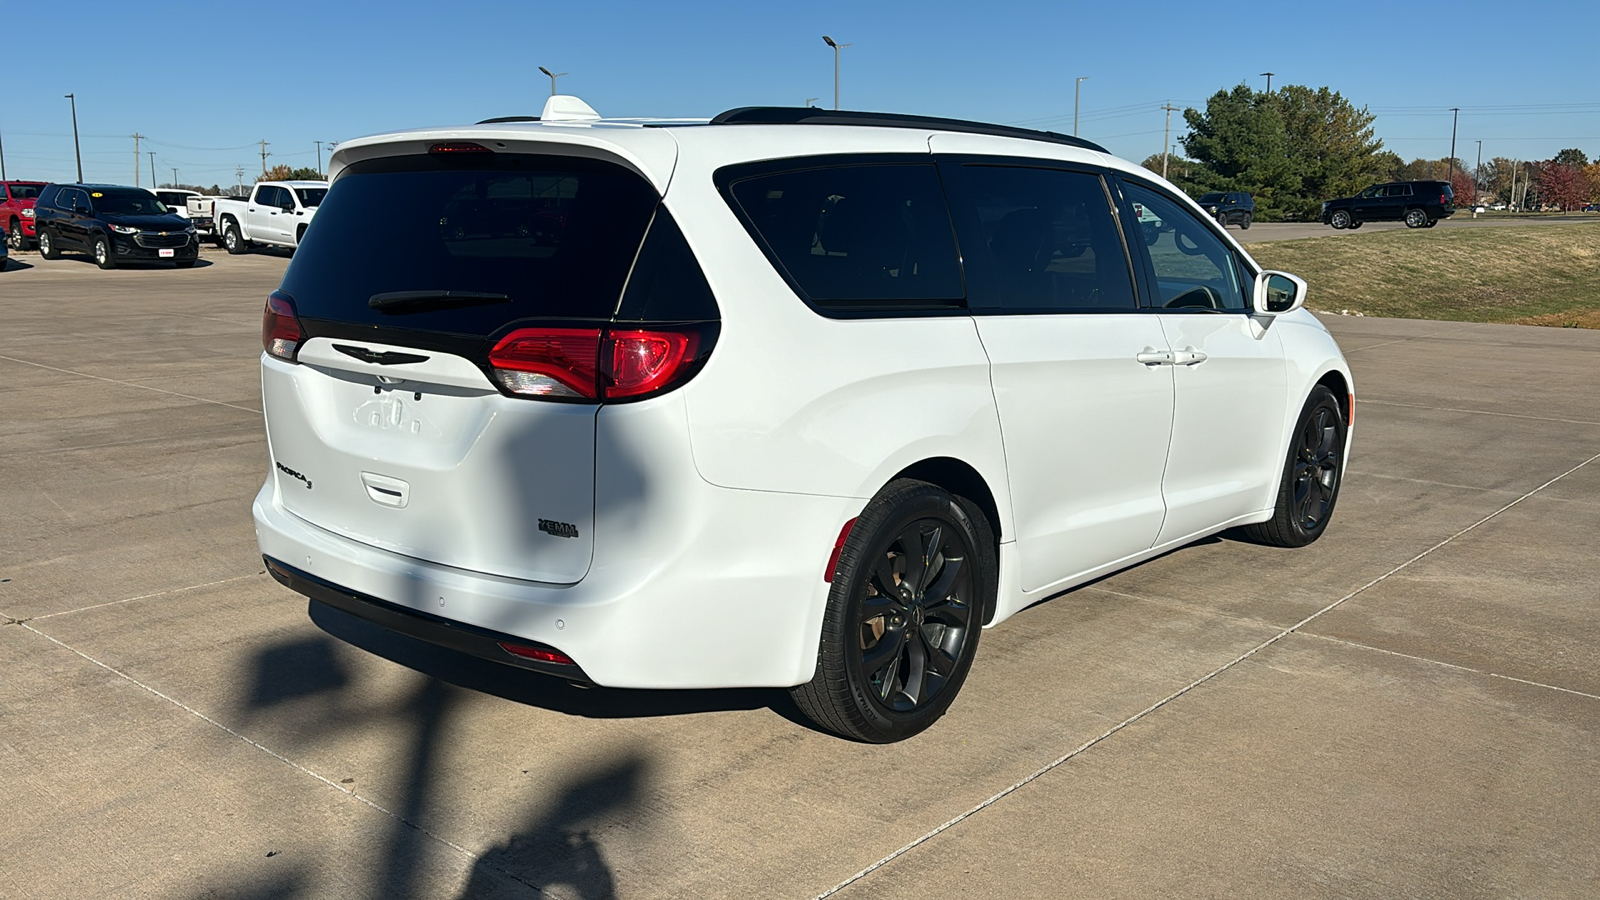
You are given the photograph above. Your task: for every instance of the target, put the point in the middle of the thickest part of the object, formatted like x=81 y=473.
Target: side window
x=1045 y=239
x=857 y=237
x=1192 y=266
x=1369 y=193
x=1400 y=190
x=268 y=196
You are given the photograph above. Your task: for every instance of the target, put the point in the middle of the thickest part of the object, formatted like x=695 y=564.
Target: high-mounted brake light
x=458 y=147
x=592 y=363
x=281 y=333
x=549 y=362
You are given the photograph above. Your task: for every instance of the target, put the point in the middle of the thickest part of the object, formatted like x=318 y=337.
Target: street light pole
x=1477 y=175
x=76 y=152
x=1457 y=111
x=553 y=77
x=836 y=48
x=1166 y=135
x=319 y=156
x=1077 y=92
x=153 y=169
x=1269 y=80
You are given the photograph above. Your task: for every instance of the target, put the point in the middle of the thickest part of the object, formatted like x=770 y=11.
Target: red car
x=16 y=212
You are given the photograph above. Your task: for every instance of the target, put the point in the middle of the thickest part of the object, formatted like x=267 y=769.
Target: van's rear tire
x=911 y=591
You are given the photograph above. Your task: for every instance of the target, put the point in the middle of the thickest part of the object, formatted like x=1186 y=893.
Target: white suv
x=789 y=398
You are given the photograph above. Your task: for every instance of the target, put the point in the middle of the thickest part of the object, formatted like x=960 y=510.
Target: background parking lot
x=1409 y=707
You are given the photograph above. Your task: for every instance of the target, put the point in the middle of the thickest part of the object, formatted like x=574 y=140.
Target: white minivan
x=790 y=398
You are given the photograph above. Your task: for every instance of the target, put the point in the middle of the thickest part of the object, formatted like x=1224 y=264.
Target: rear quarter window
x=854 y=237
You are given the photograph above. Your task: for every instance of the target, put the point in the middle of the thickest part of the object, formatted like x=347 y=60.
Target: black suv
x=113 y=223
x=1419 y=204
x=1230 y=207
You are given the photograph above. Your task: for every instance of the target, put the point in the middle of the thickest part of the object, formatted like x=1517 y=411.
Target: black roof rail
x=501 y=120
x=810 y=115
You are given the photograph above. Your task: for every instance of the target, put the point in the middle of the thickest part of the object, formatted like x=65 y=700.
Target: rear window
x=554 y=236
x=24 y=191
x=1211 y=198
x=857 y=237
x=311 y=196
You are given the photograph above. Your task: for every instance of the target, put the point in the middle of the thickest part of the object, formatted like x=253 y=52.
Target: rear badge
x=548 y=526
x=293 y=474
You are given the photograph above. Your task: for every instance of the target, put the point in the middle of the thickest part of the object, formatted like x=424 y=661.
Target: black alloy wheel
x=910 y=594
x=47 y=245
x=1339 y=220
x=101 y=250
x=1311 y=477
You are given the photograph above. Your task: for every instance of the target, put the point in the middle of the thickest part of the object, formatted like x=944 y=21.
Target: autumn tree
x=283 y=172
x=1561 y=185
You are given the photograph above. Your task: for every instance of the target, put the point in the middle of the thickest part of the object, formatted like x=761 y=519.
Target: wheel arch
x=961 y=479
x=1335 y=381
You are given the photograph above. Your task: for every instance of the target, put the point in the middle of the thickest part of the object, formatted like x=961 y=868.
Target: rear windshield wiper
x=416 y=301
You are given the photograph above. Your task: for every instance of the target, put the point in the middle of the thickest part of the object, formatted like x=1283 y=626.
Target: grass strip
x=1532 y=275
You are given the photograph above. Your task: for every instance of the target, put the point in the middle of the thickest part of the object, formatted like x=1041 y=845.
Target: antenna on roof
x=567 y=108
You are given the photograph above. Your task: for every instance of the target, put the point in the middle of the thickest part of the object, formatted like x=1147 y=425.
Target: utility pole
x=136 y=160
x=319 y=156
x=174 y=176
x=75 y=151
x=264 y=155
x=1166 y=135
x=836 y=48
x=1457 y=111
x=1269 y=80
x=811 y=100
x=2 y=160
x=238 y=172
x=553 y=77
x=1512 y=203
x=153 y=170
x=1477 y=175
x=1077 y=92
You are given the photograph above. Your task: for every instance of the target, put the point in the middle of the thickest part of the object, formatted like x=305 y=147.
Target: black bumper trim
x=469 y=639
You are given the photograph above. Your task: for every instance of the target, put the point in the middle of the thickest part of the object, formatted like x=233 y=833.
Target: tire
x=1416 y=218
x=1312 y=475
x=232 y=239
x=882 y=628
x=1244 y=223
x=1339 y=219
x=47 y=245
x=17 y=239
x=1222 y=219
x=104 y=255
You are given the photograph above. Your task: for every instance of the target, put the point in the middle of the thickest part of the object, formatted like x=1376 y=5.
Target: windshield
x=25 y=191
x=128 y=203
x=1213 y=197
x=311 y=196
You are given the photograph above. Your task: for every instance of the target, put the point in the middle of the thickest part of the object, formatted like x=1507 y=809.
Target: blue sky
x=204 y=81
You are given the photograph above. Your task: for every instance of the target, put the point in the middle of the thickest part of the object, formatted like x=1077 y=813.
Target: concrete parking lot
x=1409 y=707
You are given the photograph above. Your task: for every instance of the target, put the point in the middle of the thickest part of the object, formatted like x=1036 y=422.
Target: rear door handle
x=1189 y=356
x=1152 y=357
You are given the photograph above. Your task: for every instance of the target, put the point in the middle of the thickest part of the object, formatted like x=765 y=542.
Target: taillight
x=281 y=333
x=643 y=362
x=549 y=362
x=592 y=363
x=1444 y=199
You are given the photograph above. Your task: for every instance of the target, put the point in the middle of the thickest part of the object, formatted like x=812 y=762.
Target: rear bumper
x=692 y=586
x=479 y=642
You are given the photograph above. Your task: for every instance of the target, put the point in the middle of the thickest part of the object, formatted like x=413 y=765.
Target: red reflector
x=1351 y=417
x=646 y=361
x=838 y=547
x=549 y=362
x=459 y=147
x=542 y=654
x=280 y=327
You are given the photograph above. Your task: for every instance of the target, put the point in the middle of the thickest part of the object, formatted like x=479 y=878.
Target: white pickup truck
x=276 y=214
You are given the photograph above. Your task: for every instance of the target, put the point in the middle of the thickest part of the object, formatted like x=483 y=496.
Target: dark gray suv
x=1230 y=207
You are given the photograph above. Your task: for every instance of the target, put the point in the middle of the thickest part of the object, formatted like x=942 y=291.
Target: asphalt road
x=1287 y=231
x=1408 y=707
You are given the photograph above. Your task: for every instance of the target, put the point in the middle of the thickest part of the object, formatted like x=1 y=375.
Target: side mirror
x=1277 y=293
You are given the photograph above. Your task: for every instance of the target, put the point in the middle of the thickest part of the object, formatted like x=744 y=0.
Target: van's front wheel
x=912 y=587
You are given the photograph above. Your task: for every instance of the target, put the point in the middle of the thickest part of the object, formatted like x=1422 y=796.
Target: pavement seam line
x=1480 y=412
x=1415 y=337
x=1086 y=745
x=192 y=587
x=349 y=792
x=1459 y=668
x=129 y=384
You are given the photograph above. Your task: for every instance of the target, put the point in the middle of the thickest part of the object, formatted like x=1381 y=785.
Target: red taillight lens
x=1444 y=199
x=281 y=333
x=549 y=362
x=643 y=362
x=542 y=654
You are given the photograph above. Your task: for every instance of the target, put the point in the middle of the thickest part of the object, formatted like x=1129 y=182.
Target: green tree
x=1291 y=149
x=1572 y=159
